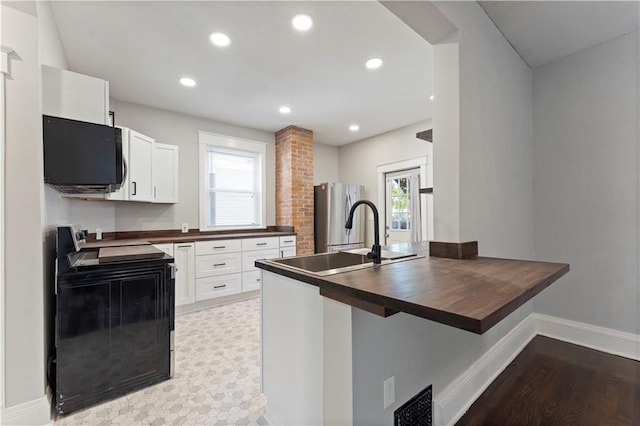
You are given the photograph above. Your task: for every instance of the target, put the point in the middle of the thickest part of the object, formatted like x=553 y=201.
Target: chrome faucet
x=376 y=251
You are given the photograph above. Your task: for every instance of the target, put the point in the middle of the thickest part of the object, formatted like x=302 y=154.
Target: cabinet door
x=287 y=251
x=140 y=167
x=165 y=173
x=76 y=96
x=249 y=258
x=251 y=280
x=185 y=273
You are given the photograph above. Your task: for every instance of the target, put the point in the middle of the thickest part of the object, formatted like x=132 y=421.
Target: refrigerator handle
x=347 y=209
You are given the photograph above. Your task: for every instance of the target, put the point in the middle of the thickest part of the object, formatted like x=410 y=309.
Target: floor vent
x=415 y=412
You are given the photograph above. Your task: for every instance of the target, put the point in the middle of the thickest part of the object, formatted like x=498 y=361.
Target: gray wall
x=23 y=306
x=585 y=115
x=495 y=208
x=496 y=171
x=326 y=167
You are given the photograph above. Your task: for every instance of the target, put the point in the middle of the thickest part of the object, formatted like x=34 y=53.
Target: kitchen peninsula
x=320 y=356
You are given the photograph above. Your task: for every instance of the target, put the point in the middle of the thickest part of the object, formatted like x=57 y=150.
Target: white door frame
x=425 y=166
x=4 y=70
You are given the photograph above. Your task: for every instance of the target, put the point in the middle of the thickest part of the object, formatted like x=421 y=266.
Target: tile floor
x=216 y=380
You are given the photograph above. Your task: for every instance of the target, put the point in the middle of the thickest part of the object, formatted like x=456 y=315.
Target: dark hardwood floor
x=556 y=383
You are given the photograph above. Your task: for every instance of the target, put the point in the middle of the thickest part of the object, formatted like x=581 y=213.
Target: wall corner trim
x=451 y=404
x=35 y=412
x=4 y=59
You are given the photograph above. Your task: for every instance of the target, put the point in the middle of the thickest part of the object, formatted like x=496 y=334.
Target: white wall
x=23 y=310
x=585 y=132
x=326 y=167
x=359 y=160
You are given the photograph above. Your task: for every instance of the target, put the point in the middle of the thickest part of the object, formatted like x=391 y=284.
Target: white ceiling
x=142 y=48
x=545 y=31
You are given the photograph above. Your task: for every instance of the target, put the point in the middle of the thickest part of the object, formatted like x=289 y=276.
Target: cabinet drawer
x=249 y=258
x=288 y=241
x=210 y=287
x=218 y=264
x=218 y=246
x=249 y=244
x=251 y=280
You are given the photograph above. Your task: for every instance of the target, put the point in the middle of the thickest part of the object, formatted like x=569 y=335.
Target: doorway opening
x=408 y=215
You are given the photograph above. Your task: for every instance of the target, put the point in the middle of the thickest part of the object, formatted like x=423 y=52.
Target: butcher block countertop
x=471 y=294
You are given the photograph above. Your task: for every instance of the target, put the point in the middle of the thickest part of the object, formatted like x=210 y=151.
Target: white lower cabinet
x=209 y=269
x=184 y=256
x=251 y=280
x=217 y=286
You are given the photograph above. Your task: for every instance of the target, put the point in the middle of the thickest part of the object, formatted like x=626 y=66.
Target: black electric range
x=113 y=324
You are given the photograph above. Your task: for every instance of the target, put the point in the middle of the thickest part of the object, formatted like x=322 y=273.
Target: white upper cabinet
x=76 y=96
x=140 y=167
x=165 y=173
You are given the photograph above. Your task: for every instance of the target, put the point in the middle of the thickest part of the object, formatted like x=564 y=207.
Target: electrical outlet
x=98 y=233
x=389 y=391
x=185 y=228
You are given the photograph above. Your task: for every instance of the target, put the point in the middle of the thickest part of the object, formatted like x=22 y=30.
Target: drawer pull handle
x=218 y=264
x=219 y=247
x=287 y=241
x=258 y=279
x=261 y=244
x=187 y=246
x=219 y=286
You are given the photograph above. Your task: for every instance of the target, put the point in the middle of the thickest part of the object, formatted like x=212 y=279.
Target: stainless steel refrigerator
x=332 y=204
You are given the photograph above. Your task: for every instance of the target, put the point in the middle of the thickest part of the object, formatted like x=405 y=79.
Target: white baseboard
x=271 y=420
x=602 y=339
x=36 y=412
x=451 y=404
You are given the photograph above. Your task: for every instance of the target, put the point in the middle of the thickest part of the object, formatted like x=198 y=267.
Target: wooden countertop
x=470 y=294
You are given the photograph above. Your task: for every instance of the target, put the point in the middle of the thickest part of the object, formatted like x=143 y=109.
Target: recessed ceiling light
x=432 y=97
x=302 y=22
x=285 y=109
x=186 y=81
x=220 y=39
x=354 y=127
x=374 y=63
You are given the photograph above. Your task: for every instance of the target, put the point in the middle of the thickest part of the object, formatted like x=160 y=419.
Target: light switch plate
x=389 y=391
x=185 y=228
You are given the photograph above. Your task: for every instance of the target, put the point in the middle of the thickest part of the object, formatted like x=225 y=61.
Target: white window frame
x=230 y=144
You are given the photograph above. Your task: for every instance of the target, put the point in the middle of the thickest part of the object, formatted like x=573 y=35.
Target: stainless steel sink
x=337 y=262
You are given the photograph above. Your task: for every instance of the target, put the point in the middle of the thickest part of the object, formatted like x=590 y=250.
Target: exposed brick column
x=294 y=184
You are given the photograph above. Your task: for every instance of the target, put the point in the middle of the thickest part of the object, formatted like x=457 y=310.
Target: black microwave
x=81 y=157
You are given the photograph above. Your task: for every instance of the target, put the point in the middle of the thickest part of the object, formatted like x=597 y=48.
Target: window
x=231 y=182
